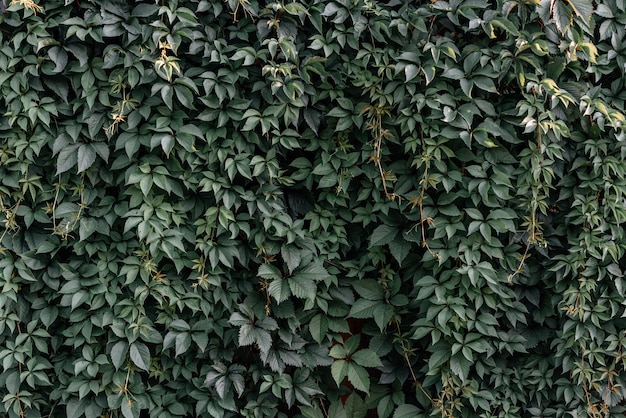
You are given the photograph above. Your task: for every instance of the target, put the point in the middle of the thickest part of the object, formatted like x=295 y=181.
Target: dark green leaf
x=291 y=255
x=383 y=234
x=400 y=248
x=86 y=156
x=406 y=411
x=318 y=326
x=59 y=57
x=144 y=10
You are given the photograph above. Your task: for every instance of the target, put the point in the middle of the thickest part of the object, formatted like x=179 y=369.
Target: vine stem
x=54 y=204
x=420 y=202
x=520 y=267
x=9 y=219
x=323 y=409
x=19 y=368
x=592 y=408
x=378 y=140
x=405 y=352
x=375 y=125
x=535 y=235
x=82 y=206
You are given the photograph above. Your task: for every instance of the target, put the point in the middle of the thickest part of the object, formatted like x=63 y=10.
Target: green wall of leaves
x=312 y=208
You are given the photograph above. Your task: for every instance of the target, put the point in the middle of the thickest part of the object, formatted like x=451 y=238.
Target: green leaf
x=318 y=326
x=13 y=382
x=86 y=156
x=474 y=214
x=87 y=227
x=130 y=409
x=406 y=411
x=34 y=261
x=358 y=376
x=48 y=315
x=75 y=408
x=485 y=83
x=400 y=248
x=59 y=57
x=313 y=271
x=366 y=358
x=140 y=355
x=291 y=256
x=167 y=143
x=183 y=342
x=145 y=184
x=460 y=366
x=339 y=371
x=279 y=289
x=302 y=288
x=383 y=234
x=562 y=15
x=583 y=9
x=67 y=158
x=383 y=314
x=311 y=411
x=144 y=10
x=313 y=119
x=184 y=96
x=167 y=94
x=338 y=351
x=429 y=73
x=118 y=353
x=364 y=308
x=180 y=325
x=352 y=343
x=438 y=358
x=46 y=42
x=369 y=289
x=506 y=24
x=410 y=72
x=269 y=272
x=355 y=407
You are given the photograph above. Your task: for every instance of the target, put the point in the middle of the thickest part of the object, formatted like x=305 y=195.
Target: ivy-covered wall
x=314 y=209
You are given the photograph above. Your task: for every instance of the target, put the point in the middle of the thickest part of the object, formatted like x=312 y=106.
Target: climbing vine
x=346 y=208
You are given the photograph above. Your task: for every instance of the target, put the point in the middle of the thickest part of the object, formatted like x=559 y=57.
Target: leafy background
x=313 y=209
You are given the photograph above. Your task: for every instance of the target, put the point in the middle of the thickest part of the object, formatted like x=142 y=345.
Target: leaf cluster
x=314 y=209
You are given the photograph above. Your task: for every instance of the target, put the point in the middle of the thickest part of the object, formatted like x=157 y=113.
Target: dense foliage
x=312 y=208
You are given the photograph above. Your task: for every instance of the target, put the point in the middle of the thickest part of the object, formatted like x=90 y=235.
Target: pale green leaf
x=339 y=371
x=359 y=377
x=366 y=358
x=140 y=355
x=118 y=353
